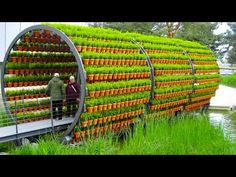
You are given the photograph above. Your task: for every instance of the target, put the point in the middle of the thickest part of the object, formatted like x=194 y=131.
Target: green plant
x=76 y=129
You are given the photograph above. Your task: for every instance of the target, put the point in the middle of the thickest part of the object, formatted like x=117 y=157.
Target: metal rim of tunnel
x=80 y=72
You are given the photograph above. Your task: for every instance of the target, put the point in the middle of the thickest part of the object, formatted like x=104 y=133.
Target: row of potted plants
x=207 y=76
x=24 y=117
x=22 y=92
x=40 y=36
x=42 y=33
x=160 y=106
x=119 y=91
x=104 y=34
x=41 y=71
x=111 y=46
x=23 y=56
x=115 y=69
x=206 y=67
x=198 y=55
x=119 y=98
x=179 y=67
x=207 y=71
x=104 y=46
x=194 y=106
x=170 y=67
x=151 y=47
x=113 y=62
x=205 y=87
x=92 y=58
x=173 y=92
x=173 y=56
x=121 y=87
x=202 y=94
x=167 y=100
x=171 y=83
x=103 y=117
x=173 y=89
x=116 y=76
x=116 y=73
x=28 y=103
x=205 y=97
x=165 y=78
x=30 y=46
x=111 y=102
x=107 y=56
x=169 y=61
x=117 y=85
x=175 y=71
x=111 y=34
x=169 y=111
x=38 y=65
x=31 y=80
x=79 y=135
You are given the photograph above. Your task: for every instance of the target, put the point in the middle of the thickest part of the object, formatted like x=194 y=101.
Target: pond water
x=227 y=119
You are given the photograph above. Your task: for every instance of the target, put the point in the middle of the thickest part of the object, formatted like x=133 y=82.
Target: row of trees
x=202 y=32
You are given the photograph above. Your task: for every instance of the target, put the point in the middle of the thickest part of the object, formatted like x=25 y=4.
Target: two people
x=59 y=94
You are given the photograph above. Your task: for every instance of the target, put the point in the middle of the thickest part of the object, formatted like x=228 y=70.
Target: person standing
x=72 y=96
x=56 y=90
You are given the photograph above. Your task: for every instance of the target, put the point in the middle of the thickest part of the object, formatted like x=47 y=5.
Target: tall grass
x=186 y=134
x=229 y=80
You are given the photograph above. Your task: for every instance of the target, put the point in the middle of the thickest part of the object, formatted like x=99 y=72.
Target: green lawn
x=229 y=80
x=188 y=134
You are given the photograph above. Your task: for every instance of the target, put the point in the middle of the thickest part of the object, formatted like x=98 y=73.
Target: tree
x=140 y=27
x=231 y=38
x=156 y=28
x=172 y=28
x=203 y=32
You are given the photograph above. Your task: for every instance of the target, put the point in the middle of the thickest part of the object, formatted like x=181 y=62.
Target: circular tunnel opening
x=30 y=62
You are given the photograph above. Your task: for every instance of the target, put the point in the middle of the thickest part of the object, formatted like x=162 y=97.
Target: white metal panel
x=2 y=40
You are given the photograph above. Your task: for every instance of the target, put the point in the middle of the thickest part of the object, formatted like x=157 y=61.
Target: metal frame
x=80 y=73
x=152 y=76
x=31 y=133
x=193 y=71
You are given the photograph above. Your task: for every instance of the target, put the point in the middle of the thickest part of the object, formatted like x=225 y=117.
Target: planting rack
x=18 y=131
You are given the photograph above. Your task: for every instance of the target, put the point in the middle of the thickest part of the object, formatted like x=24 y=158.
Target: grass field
x=186 y=134
x=229 y=80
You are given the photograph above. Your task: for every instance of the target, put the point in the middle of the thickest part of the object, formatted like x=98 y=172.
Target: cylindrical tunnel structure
x=122 y=75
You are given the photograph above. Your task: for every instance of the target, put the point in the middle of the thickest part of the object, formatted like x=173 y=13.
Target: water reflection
x=226 y=119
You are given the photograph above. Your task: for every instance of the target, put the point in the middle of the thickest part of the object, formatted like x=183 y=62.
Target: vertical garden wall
x=118 y=77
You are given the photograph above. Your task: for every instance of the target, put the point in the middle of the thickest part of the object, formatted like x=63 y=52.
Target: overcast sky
x=222 y=28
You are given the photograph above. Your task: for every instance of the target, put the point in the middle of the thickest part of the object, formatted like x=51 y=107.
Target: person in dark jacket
x=56 y=90
x=72 y=96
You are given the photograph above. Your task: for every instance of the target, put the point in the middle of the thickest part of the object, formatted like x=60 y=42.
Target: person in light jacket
x=56 y=90
x=72 y=96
